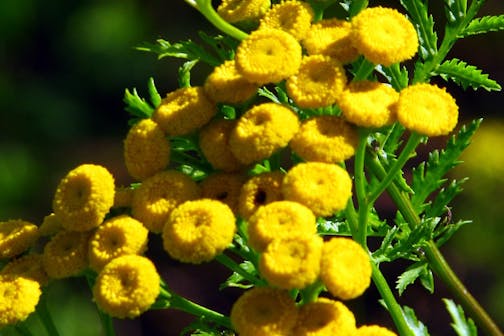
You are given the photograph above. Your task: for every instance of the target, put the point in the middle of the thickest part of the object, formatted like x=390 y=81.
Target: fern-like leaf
x=424 y=24
x=463 y=326
x=455 y=10
x=466 y=75
x=483 y=25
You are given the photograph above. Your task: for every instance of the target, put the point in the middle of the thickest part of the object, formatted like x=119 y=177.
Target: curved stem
x=231 y=264
x=22 y=330
x=45 y=316
x=360 y=188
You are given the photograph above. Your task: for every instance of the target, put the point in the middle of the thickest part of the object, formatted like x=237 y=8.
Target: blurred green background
x=64 y=66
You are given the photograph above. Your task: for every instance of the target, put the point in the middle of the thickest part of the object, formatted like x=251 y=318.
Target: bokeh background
x=64 y=66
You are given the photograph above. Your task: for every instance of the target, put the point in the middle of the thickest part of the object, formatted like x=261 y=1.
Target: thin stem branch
x=233 y=266
x=360 y=188
x=45 y=316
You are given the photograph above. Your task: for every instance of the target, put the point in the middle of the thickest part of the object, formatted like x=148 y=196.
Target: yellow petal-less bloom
x=28 y=266
x=123 y=197
x=50 y=225
x=146 y=150
x=264 y=311
x=213 y=141
x=325 y=139
x=318 y=83
x=268 y=56
x=279 y=220
x=345 y=268
x=373 y=330
x=369 y=104
x=325 y=317
x=83 y=197
x=18 y=298
x=384 y=36
x=261 y=131
x=293 y=17
x=66 y=254
x=260 y=190
x=121 y=235
x=324 y=188
x=226 y=85
x=184 y=110
x=127 y=286
x=223 y=187
x=16 y=236
x=197 y=231
x=292 y=262
x=243 y=11
x=158 y=195
x=331 y=37
x=427 y=109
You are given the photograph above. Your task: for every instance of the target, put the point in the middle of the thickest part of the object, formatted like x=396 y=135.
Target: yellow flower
x=325 y=317
x=223 y=187
x=184 y=110
x=292 y=262
x=261 y=131
x=268 y=56
x=18 y=298
x=345 y=268
x=83 y=197
x=158 y=195
x=374 y=330
x=243 y=11
x=28 y=266
x=279 y=220
x=226 y=85
x=123 y=197
x=197 y=231
x=318 y=83
x=66 y=254
x=260 y=190
x=50 y=225
x=264 y=311
x=146 y=150
x=369 y=104
x=213 y=141
x=427 y=109
x=325 y=139
x=293 y=17
x=384 y=36
x=331 y=37
x=324 y=188
x=127 y=286
x=118 y=236
x=16 y=236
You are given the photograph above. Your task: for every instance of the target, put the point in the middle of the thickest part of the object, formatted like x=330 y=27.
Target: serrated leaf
x=455 y=10
x=483 y=25
x=238 y=280
x=418 y=328
x=424 y=25
x=154 y=95
x=444 y=197
x=465 y=75
x=443 y=234
x=463 y=326
x=427 y=280
x=136 y=105
x=410 y=275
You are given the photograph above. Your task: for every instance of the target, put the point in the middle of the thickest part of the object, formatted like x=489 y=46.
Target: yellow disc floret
x=16 y=236
x=293 y=17
x=260 y=190
x=243 y=11
x=345 y=268
x=28 y=266
x=18 y=298
x=50 y=225
x=373 y=330
x=223 y=187
x=427 y=109
x=127 y=286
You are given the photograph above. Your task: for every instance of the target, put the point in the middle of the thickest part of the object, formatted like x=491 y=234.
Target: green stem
x=312 y=292
x=45 y=316
x=105 y=319
x=360 y=188
x=233 y=266
x=22 y=329
x=365 y=69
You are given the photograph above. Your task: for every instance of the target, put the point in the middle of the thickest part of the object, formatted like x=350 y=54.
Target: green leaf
x=463 y=326
x=444 y=197
x=155 y=98
x=418 y=328
x=410 y=275
x=455 y=10
x=238 y=280
x=136 y=105
x=424 y=24
x=332 y=226
x=483 y=25
x=444 y=233
x=184 y=73
x=465 y=75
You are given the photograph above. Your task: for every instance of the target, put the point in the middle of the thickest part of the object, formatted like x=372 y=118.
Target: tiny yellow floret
x=223 y=187
x=260 y=190
x=18 y=298
x=28 y=266
x=291 y=16
x=16 y=236
x=243 y=11
x=374 y=330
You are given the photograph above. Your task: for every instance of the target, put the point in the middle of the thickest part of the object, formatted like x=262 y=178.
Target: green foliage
x=419 y=270
x=463 y=326
x=184 y=73
x=418 y=328
x=483 y=25
x=424 y=24
x=465 y=75
x=455 y=10
x=237 y=279
x=138 y=107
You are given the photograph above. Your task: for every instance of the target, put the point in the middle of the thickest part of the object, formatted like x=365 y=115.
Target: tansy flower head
x=127 y=286
x=16 y=236
x=118 y=236
x=373 y=330
x=345 y=268
x=324 y=188
x=369 y=104
x=318 y=83
x=146 y=150
x=384 y=36
x=261 y=131
x=66 y=254
x=260 y=190
x=325 y=317
x=18 y=298
x=159 y=195
x=123 y=197
x=245 y=12
x=278 y=220
x=184 y=110
x=213 y=141
x=197 y=231
x=331 y=37
x=268 y=56
x=226 y=85
x=325 y=139
x=293 y=17
x=50 y=225
x=292 y=261
x=28 y=266
x=427 y=109
x=83 y=197
x=223 y=187
x=263 y=311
